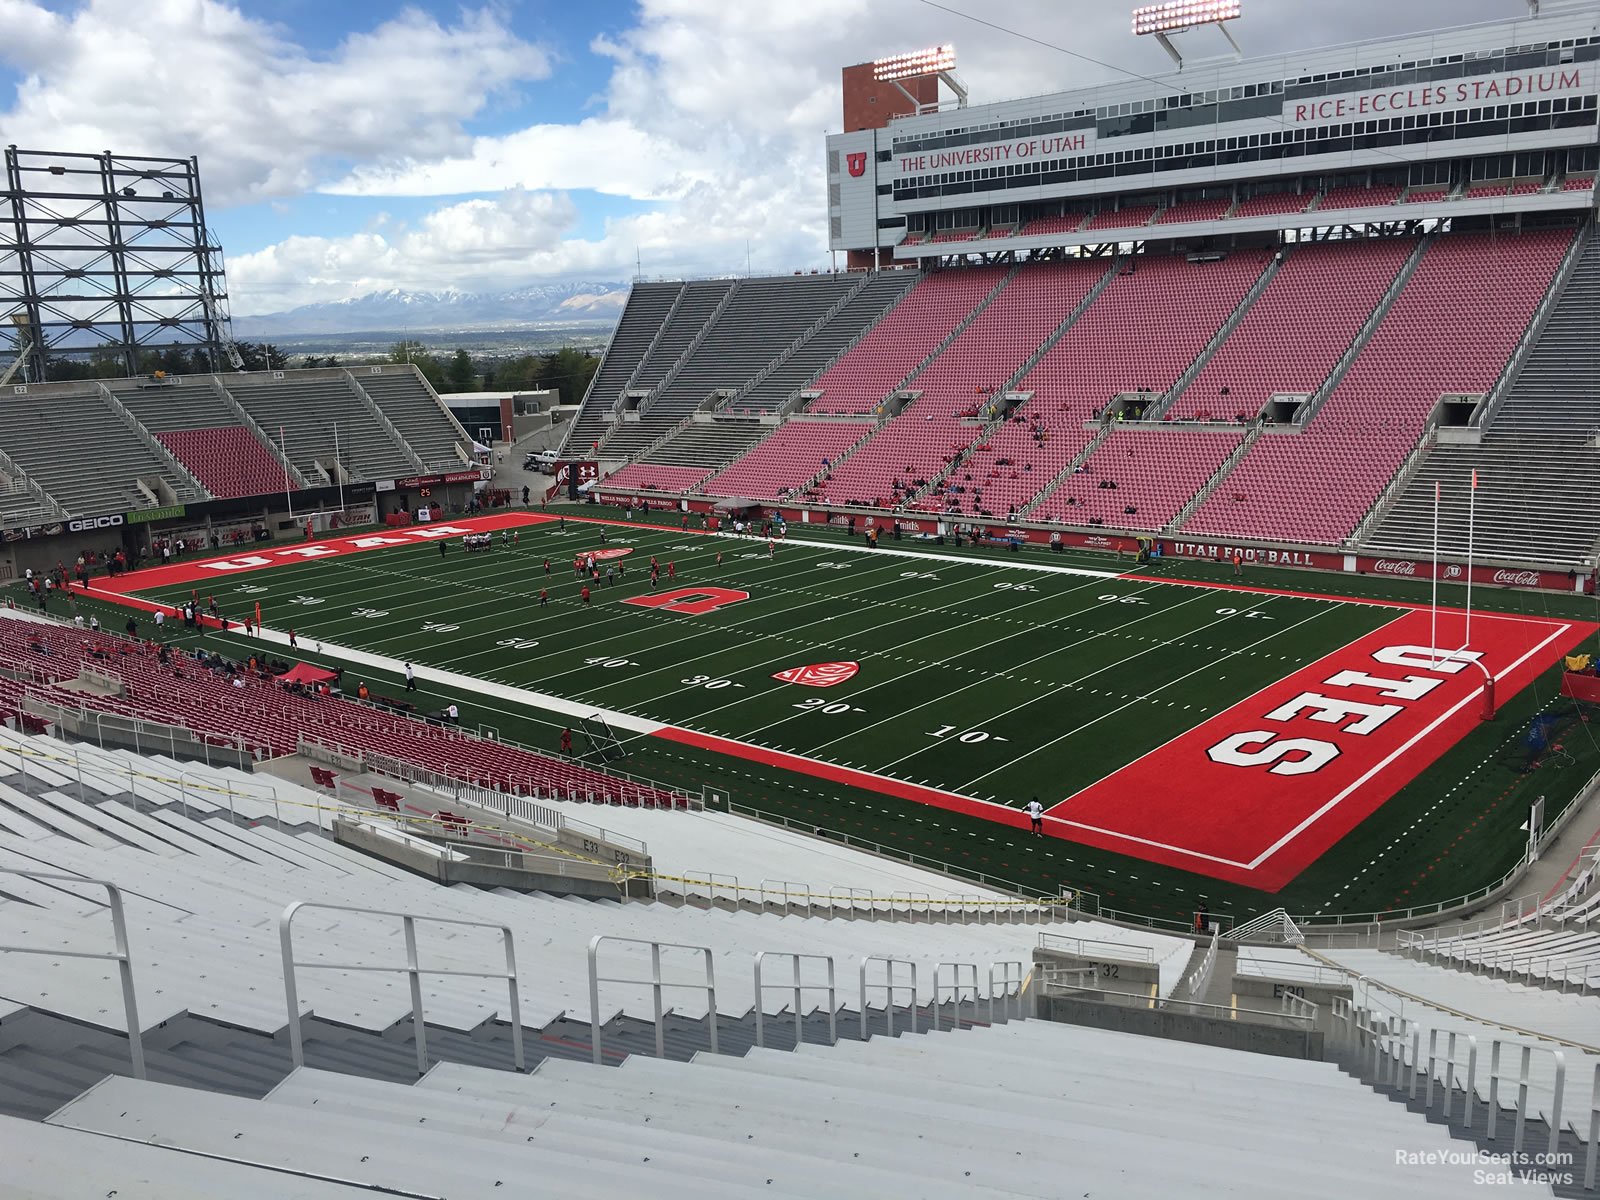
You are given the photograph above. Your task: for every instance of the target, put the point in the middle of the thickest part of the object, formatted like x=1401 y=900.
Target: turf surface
x=1078 y=674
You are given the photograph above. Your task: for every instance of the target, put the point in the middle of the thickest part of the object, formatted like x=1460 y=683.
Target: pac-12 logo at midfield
x=856 y=164
x=820 y=674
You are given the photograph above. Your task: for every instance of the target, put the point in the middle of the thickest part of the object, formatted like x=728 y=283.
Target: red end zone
x=1258 y=793
x=202 y=571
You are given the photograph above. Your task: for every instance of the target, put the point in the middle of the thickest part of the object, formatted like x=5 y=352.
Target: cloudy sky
x=350 y=146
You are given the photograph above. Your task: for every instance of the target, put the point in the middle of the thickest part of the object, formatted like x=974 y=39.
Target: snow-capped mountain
x=587 y=303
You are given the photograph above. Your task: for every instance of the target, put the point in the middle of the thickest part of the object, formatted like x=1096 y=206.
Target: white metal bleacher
x=205 y=888
x=712 y=853
x=1023 y=1109
x=1485 y=1009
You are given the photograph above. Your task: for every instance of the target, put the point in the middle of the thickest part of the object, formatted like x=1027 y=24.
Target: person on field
x=586 y=593
x=1035 y=812
x=672 y=570
x=547 y=566
x=411 y=679
x=544 y=597
x=1238 y=563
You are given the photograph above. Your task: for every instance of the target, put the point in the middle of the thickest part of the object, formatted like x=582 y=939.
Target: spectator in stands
x=362 y=693
x=566 y=741
x=453 y=713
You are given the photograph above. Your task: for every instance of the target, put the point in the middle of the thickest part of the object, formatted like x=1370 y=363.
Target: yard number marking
x=971 y=737
x=817 y=704
x=1248 y=613
x=709 y=682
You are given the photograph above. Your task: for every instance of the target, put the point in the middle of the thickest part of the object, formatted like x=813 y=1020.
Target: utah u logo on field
x=690 y=601
x=857 y=164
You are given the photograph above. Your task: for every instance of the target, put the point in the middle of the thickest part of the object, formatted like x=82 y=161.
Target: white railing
x=890 y=987
x=657 y=985
x=963 y=981
x=1385 y=1052
x=1097 y=949
x=119 y=954
x=798 y=988
x=413 y=970
x=1200 y=978
x=1272 y=927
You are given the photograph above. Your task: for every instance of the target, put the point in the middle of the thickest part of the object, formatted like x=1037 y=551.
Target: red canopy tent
x=307 y=674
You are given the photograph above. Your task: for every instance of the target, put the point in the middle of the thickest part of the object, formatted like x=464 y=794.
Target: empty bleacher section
x=1359 y=197
x=1143 y=330
x=1297 y=329
x=761 y=317
x=795 y=453
x=229 y=460
x=1138 y=479
x=404 y=397
x=654 y=477
x=789 y=375
x=994 y=346
x=222 y=1108
x=1130 y=217
x=707 y=443
x=1268 y=204
x=641 y=321
x=1538 y=456
x=903 y=339
x=1452 y=329
x=75 y=446
x=268 y=720
x=689 y=319
x=303 y=409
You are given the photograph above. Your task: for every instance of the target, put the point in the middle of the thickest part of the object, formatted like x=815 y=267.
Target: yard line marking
x=1103 y=716
x=886 y=653
x=1109 y=604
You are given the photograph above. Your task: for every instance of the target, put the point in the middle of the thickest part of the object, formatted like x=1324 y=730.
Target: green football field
x=958 y=685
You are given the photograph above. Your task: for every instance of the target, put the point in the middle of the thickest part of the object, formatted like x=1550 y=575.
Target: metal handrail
x=413 y=970
x=1121 y=951
x=798 y=988
x=120 y=955
x=1358 y=1031
x=656 y=984
x=889 y=987
x=958 y=970
x=1008 y=979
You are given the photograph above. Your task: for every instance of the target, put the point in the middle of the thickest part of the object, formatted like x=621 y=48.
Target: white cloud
x=266 y=117
x=602 y=155
x=712 y=119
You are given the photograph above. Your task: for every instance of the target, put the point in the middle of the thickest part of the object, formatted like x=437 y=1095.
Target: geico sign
x=88 y=523
x=1306 y=756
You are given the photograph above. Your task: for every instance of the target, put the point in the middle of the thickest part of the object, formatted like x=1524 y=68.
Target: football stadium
x=1135 y=615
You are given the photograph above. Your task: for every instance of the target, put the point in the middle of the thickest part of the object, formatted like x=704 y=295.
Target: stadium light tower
x=1164 y=21
x=939 y=61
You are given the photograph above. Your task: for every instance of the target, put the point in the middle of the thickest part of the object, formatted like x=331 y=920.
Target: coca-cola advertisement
x=1412 y=568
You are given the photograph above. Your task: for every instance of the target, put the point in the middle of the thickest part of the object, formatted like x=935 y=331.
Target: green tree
x=569 y=371
x=461 y=375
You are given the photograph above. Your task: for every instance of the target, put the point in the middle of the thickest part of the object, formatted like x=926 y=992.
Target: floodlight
x=1178 y=15
x=936 y=60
